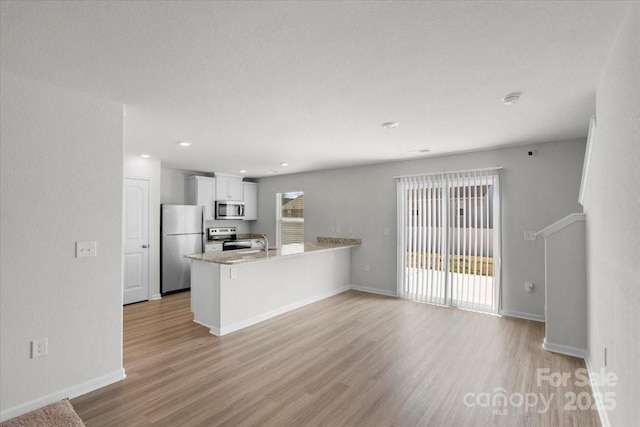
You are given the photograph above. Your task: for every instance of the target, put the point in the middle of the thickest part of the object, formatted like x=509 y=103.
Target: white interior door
x=136 y=241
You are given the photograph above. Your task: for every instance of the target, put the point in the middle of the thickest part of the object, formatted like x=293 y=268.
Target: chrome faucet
x=265 y=244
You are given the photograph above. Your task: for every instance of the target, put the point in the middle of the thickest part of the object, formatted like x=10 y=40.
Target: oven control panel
x=221 y=233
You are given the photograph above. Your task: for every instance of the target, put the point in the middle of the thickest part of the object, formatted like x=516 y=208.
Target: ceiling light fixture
x=243 y=171
x=512 y=98
x=284 y=164
x=184 y=143
x=145 y=156
x=271 y=172
x=390 y=125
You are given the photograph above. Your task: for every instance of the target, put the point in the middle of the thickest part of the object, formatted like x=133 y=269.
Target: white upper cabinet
x=250 y=201
x=228 y=187
x=202 y=192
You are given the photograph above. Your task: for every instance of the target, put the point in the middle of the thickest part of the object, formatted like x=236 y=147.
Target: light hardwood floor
x=353 y=359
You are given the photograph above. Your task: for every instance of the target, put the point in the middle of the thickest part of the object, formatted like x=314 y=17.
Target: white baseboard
x=564 y=349
x=602 y=412
x=374 y=290
x=273 y=313
x=155 y=297
x=522 y=315
x=203 y=324
x=68 y=393
x=593 y=375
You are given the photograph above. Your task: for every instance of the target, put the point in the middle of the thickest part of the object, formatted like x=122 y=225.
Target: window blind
x=449 y=239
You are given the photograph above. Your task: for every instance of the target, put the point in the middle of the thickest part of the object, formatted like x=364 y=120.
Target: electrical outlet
x=233 y=273
x=39 y=348
x=85 y=249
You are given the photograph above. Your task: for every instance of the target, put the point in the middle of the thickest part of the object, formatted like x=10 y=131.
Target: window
x=449 y=250
x=290 y=221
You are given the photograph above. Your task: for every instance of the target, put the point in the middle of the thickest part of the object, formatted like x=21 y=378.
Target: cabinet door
x=205 y=197
x=201 y=192
x=221 y=188
x=228 y=187
x=234 y=188
x=250 y=201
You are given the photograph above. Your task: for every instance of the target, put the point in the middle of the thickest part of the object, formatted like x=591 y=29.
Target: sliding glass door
x=449 y=239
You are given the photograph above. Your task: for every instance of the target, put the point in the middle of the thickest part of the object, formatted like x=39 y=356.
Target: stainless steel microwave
x=229 y=210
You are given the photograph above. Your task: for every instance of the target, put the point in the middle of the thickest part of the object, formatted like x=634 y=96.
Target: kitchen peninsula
x=234 y=289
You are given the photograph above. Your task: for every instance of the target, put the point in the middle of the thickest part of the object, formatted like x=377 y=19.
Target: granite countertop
x=242 y=256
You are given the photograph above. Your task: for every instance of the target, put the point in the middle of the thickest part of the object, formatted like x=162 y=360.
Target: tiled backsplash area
x=338 y=241
x=320 y=240
x=249 y=236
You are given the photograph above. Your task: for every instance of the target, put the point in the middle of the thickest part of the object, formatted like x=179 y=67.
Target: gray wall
x=61 y=182
x=361 y=202
x=173 y=185
x=566 y=288
x=612 y=205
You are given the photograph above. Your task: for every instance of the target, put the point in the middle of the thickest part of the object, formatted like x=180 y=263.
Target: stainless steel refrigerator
x=181 y=233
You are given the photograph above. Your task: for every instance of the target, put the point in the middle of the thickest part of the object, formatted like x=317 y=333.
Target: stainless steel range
x=225 y=239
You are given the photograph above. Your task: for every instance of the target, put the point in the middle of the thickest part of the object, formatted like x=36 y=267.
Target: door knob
x=145 y=246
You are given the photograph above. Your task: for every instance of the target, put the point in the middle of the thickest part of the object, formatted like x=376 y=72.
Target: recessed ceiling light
x=184 y=143
x=512 y=98
x=284 y=164
x=271 y=172
x=145 y=156
x=243 y=171
x=390 y=125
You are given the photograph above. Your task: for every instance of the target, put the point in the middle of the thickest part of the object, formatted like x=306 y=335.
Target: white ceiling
x=254 y=84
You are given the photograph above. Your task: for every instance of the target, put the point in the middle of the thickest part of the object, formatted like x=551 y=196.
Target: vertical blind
x=449 y=239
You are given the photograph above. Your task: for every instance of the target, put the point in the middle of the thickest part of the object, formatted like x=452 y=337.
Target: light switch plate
x=85 y=249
